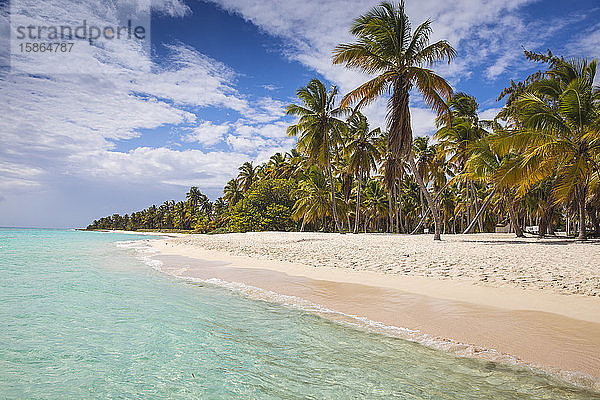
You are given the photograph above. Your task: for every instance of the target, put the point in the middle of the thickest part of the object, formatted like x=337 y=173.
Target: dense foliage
x=535 y=167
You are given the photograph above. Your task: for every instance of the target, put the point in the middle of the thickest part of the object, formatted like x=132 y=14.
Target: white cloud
x=207 y=133
x=61 y=128
x=489 y=114
x=486 y=33
x=271 y=87
x=174 y=8
x=469 y=25
x=161 y=166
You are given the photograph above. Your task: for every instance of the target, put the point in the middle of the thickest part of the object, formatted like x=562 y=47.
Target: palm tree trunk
x=398 y=202
x=593 y=214
x=303 y=222
x=581 y=206
x=477 y=210
x=513 y=218
x=430 y=202
x=357 y=216
x=334 y=207
x=390 y=210
x=429 y=210
x=483 y=207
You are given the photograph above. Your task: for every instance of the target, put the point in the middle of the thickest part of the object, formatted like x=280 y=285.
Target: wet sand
x=558 y=333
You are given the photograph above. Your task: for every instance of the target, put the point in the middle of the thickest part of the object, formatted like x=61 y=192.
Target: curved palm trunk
x=430 y=202
x=481 y=210
x=429 y=210
x=357 y=213
x=334 y=207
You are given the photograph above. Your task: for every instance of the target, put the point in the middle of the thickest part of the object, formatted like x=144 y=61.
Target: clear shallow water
x=83 y=318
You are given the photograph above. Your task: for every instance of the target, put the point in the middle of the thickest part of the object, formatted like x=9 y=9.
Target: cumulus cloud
x=469 y=26
x=207 y=133
x=59 y=128
x=487 y=34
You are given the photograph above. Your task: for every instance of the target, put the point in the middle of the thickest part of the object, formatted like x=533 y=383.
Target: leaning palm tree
x=386 y=46
x=363 y=155
x=319 y=129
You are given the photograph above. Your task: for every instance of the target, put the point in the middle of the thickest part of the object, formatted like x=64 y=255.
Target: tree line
x=535 y=164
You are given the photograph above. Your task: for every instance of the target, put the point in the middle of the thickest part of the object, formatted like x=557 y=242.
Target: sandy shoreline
x=520 y=310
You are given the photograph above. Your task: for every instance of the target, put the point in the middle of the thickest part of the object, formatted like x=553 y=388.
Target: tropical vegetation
x=534 y=168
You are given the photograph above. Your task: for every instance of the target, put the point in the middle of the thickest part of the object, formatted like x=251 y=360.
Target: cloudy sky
x=119 y=126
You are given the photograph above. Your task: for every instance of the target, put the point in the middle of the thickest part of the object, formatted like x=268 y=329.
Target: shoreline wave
x=582 y=380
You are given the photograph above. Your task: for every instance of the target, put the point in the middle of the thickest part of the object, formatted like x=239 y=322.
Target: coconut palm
x=194 y=198
x=498 y=170
x=313 y=201
x=246 y=176
x=376 y=204
x=455 y=137
x=232 y=192
x=386 y=46
x=319 y=129
x=560 y=114
x=362 y=154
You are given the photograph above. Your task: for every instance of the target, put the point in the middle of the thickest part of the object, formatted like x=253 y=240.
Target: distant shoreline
x=550 y=330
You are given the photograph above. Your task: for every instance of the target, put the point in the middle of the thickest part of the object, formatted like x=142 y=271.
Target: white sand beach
x=532 y=300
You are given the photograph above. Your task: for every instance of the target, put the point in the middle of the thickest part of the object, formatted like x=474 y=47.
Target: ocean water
x=82 y=317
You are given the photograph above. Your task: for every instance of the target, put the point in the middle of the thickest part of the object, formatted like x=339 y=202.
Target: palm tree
x=455 y=137
x=232 y=192
x=386 y=46
x=376 y=203
x=194 y=197
x=424 y=158
x=319 y=129
x=246 y=176
x=560 y=114
x=276 y=167
x=313 y=201
x=489 y=166
x=363 y=155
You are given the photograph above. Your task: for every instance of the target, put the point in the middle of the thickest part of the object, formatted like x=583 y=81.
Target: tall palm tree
x=319 y=129
x=247 y=175
x=560 y=114
x=455 y=137
x=385 y=45
x=363 y=155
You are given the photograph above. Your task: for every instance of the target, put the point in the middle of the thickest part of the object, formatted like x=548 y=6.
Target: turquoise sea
x=81 y=317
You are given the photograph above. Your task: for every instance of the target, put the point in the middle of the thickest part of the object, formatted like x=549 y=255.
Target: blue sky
x=211 y=93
